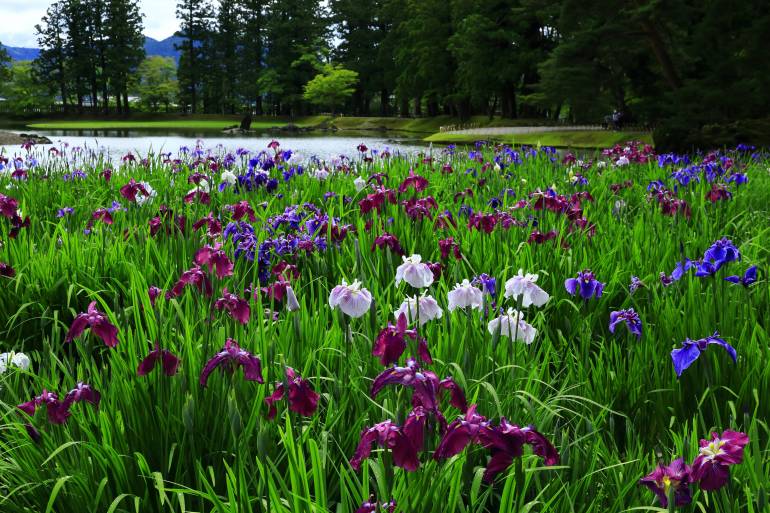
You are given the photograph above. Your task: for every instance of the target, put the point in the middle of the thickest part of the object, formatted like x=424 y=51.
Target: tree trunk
x=418 y=106
x=126 y=108
x=661 y=54
x=404 y=107
x=384 y=102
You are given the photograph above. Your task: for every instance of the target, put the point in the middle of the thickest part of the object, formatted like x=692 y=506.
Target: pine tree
x=125 y=47
x=194 y=17
x=50 y=66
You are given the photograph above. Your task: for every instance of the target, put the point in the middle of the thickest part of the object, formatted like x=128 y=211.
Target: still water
x=304 y=146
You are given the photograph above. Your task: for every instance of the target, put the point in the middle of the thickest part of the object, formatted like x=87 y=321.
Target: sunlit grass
x=612 y=405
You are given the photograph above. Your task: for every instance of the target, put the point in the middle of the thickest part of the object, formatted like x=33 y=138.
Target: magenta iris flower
x=57 y=412
x=167 y=359
x=630 y=317
x=302 y=398
x=506 y=442
x=404 y=442
x=372 y=506
x=585 y=284
x=426 y=386
x=243 y=209
x=748 y=278
x=212 y=224
x=391 y=343
x=131 y=189
x=216 y=260
x=388 y=240
x=414 y=181
x=676 y=475
x=460 y=433
x=81 y=392
x=692 y=349
x=712 y=466
x=194 y=276
x=236 y=306
x=6 y=270
x=449 y=245
x=229 y=359
x=154 y=292
x=202 y=196
x=97 y=322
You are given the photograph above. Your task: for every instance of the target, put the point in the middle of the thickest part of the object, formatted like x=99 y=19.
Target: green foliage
x=611 y=403
x=22 y=91
x=157 y=83
x=332 y=86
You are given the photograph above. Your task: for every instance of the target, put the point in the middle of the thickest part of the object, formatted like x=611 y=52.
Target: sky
x=19 y=17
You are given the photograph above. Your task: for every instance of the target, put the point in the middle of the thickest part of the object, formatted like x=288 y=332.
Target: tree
x=361 y=27
x=4 y=61
x=157 y=83
x=22 y=91
x=295 y=30
x=125 y=47
x=195 y=18
x=250 y=58
x=331 y=87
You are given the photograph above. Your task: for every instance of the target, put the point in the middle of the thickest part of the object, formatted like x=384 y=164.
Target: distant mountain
x=164 y=48
x=21 y=54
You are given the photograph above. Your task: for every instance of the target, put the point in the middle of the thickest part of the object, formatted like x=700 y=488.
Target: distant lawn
x=176 y=124
x=560 y=139
x=425 y=125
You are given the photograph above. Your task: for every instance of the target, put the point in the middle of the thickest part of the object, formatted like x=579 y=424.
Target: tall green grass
x=612 y=405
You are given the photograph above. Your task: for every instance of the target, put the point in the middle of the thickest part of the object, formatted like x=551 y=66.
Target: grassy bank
x=559 y=139
x=428 y=125
x=177 y=123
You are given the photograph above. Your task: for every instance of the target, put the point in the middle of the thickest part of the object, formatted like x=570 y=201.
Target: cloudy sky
x=19 y=17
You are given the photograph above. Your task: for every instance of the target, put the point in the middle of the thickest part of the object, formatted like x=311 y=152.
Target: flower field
x=483 y=329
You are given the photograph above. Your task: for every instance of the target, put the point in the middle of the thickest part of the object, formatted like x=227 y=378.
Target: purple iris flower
x=302 y=398
x=692 y=349
x=372 y=506
x=81 y=392
x=230 y=358
x=391 y=343
x=488 y=284
x=711 y=466
x=216 y=260
x=57 y=413
x=236 y=306
x=635 y=284
x=665 y=279
x=721 y=252
x=405 y=442
x=168 y=360
x=748 y=278
x=64 y=211
x=682 y=267
x=506 y=442
x=425 y=384
x=677 y=476
x=460 y=433
x=99 y=324
x=586 y=284
x=630 y=317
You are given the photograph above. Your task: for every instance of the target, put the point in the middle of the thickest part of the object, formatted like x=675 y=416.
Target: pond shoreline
x=10 y=138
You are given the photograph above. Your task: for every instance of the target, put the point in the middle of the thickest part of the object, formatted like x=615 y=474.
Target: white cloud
x=19 y=17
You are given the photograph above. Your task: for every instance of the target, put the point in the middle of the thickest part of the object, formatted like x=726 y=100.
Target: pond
x=304 y=145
